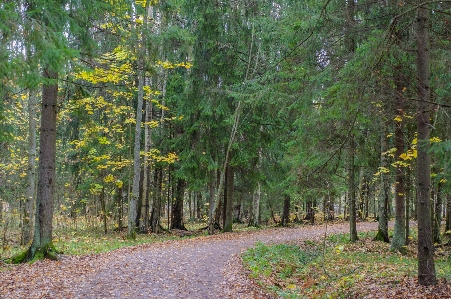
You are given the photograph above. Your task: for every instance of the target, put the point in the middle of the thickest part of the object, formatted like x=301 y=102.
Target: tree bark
x=156 y=203
x=255 y=215
x=42 y=240
x=27 y=225
x=437 y=217
x=351 y=190
x=286 y=210
x=399 y=231
x=228 y=205
x=177 y=206
x=426 y=266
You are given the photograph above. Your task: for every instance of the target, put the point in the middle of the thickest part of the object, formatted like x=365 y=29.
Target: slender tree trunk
x=382 y=233
x=177 y=206
x=27 y=227
x=426 y=266
x=228 y=219
x=103 y=207
x=199 y=205
x=351 y=190
x=119 y=204
x=214 y=205
x=156 y=203
x=408 y=201
x=286 y=210
x=255 y=215
x=399 y=232
x=145 y=206
x=211 y=203
x=448 y=213
x=132 y=206
x=437 y=215
x=42 y=240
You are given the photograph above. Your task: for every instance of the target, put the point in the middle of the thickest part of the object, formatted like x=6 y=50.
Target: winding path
x=204 y=267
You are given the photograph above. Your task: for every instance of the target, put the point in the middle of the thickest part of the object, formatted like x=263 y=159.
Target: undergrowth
x=339 y=269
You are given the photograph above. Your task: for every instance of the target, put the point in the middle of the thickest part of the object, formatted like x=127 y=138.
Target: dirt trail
x=205 y=267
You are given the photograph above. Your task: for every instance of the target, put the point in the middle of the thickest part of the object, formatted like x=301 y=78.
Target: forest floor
x=201 y=267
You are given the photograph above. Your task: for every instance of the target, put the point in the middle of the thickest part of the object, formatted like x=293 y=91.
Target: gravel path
x=204 y=267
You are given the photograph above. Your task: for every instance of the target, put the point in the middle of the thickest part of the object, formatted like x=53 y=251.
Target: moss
x=380 y=236
x=19 y=258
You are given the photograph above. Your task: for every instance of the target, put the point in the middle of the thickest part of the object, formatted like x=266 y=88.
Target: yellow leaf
x=404 y=156
x=398 y=118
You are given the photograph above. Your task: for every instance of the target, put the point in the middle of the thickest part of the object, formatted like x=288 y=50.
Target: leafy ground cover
x=335 y=268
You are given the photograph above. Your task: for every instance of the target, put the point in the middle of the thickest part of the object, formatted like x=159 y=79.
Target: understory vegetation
x=335 y=268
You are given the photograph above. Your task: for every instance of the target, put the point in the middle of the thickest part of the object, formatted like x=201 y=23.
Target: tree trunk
x=448 y=213
x=214 y=205
x=103 y=207
x=145 y=206
x=255 y=215
x=426 y=266
x=228 y=205
x=119 y=204
x=408 y=201
x=351 y=190
x=437 y=215
x=27 y=224
x=211 y=204
x=382 y=232
x=286 y=210
x=156 y=203
x=177 y=206
x=199 y=205
x=42 y=240
x=132 y=206
x=399 y=231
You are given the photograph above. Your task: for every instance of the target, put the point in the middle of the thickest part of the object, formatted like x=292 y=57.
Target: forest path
x=203 y=267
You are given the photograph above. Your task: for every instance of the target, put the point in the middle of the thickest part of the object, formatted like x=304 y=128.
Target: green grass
x=302 y=271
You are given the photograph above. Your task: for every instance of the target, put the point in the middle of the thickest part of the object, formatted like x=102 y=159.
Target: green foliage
x=341 y=273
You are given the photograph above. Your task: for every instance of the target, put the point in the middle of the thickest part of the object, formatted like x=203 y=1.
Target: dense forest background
x=164 y=112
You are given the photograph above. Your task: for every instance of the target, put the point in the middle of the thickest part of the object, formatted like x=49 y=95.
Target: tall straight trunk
x=286 y=210
x=103 y=207
x=191 y=201
x=426 y=266
x=448 y=213
x=211 y=203
x=351 y=190
x=408 y=201
x=43 y=229
x=156 y=203
x=119 y=206
x=255 y=215
x=215 y=204
x=199 y=205
x=228 y=204
x=145 y=206
x=350 y=47
x=382 y=231
x=177 y=206
x=437 y=217
x=133 y=212
x=27 y=225
x=132 y=205
x=399 y=231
